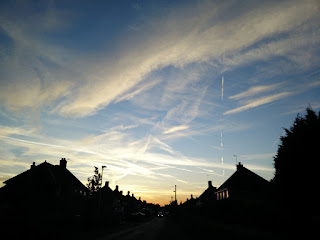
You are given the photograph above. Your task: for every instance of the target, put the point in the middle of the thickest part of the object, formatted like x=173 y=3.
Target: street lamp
x=102 y=174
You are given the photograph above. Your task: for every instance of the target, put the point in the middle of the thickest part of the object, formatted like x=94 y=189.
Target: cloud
x=34 y=73
x=183 y=37
x=258 y=102
x=138 y=90
x=6 y=131
x=178 y=40
x=121 y=127
x=177 y=128
x=255 y=90
x=257 y=156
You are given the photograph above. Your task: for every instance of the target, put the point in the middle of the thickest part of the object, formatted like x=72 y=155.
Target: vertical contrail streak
x=221 y=146
x=221 y=135
x=222 y=82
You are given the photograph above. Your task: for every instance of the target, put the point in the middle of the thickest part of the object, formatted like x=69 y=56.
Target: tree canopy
x=94 y=182
x=297 y=159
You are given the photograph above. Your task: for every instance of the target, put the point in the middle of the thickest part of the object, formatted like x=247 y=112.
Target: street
x=171 y=227
x=157 y=228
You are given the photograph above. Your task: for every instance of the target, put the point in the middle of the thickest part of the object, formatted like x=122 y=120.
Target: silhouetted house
x=208 y=196
x=243 y=185
x=190 y=203
x=43 y=189
x=106 y=201
x=113 y=206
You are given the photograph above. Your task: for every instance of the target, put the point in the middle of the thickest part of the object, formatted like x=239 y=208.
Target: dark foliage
x=297 y=161
x=94 y=182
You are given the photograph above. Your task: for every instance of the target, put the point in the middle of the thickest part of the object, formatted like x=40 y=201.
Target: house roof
x=53 y=174
x=209 y=192
x=244 y=179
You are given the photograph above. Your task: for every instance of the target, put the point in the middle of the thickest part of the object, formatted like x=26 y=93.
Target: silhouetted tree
x=94 y=182
x=297 y=162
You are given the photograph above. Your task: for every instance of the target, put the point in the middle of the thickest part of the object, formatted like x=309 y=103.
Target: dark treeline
x=297 y=163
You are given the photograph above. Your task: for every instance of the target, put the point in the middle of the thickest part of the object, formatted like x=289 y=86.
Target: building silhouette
x=243 y=185
x=44 y=189
x=208 y=196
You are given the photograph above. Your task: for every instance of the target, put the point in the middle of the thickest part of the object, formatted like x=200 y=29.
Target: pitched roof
x=244 y=179
x=209 y=192
x=53 y=174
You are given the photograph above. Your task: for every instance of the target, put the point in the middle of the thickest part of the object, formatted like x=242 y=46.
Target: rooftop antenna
x=236 y=156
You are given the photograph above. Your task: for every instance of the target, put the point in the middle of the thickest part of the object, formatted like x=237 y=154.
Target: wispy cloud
x=257 y=156
x=258 y=102
x=138 y=90
x=184 y=37
x=255 y=90
x=177 y=128
x=6 y=131
x=143 y=56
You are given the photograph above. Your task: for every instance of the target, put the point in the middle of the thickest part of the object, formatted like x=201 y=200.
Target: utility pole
x=175 y=193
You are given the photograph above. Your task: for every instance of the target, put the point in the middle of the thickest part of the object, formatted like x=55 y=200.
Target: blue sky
x=162 y=92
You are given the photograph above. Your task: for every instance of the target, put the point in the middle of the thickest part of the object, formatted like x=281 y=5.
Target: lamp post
x=102 y=174
x=100 y=206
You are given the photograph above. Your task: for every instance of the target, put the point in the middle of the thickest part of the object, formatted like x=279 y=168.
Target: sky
x=163 y=93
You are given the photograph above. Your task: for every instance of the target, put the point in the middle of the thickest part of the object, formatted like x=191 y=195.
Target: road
x=170 y=227
x=157 y=228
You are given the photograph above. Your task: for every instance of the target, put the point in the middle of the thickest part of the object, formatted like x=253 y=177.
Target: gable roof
x=244 y=179
x=209 y=192
x=53 y=174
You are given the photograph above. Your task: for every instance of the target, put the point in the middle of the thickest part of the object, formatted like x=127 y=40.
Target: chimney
x=132 y=195
x=106 y=184
x=139 y=198
x=128 y=193
x=191 y=196
x=239 y=166
x=63 y=163
x=117 y=188
x=209 y=184
x=33 y=165
x=121 y=192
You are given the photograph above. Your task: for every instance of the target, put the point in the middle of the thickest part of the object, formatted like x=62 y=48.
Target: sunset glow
x=162 y=93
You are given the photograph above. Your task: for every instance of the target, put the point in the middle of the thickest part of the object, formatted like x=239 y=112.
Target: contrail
x=221 y=147
x=221 y=135
x=222 y=82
